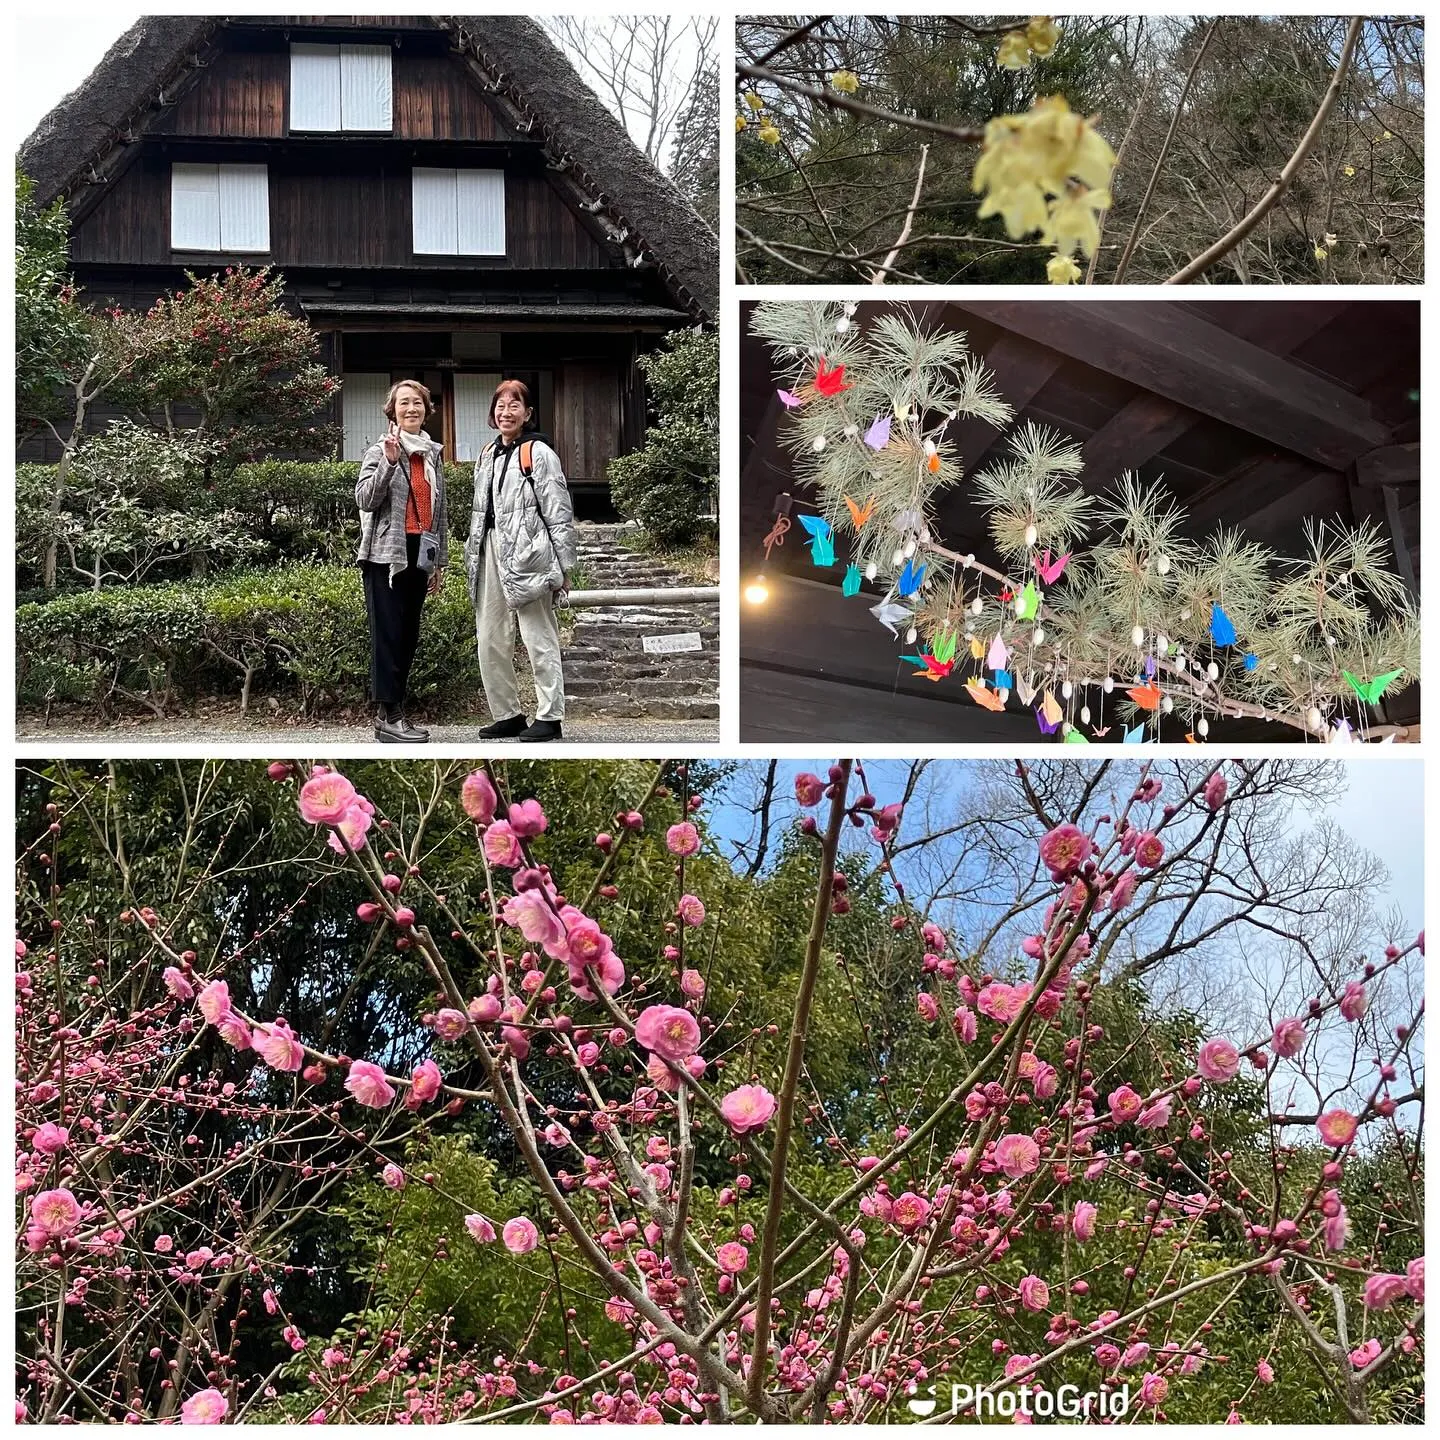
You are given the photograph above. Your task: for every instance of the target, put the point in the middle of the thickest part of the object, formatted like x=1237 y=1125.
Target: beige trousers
x=495 y=642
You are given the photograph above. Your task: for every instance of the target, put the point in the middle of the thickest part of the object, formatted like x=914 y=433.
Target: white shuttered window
x=340 y=87
x=220 y=207
x=361 y=399
x=458 y=212
x=472 y=413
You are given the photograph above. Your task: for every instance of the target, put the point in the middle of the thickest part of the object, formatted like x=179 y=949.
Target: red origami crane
x=829 y=382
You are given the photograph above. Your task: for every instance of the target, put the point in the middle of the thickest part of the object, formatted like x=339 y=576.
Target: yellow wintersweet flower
x=846 y=81
x=1387 y=135
x=769 y=134
x=753 y=100
x=1043 y=34
x=739 y=123
x=1014 y=51
x=1349 y=169
x=1072 y=219
x=1321 y=254
x=1062 y=270
x=1026 y=157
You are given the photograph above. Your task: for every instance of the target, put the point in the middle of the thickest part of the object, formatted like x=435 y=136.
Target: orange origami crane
x=1147 y=697
x=981 y=694
x=858 y=514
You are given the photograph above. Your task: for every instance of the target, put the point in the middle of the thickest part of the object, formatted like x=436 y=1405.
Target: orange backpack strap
x=527 y=458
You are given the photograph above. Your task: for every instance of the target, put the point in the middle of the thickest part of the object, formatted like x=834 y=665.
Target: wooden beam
x=1279 y=326
x=1389 y=465
x=1134 y=434
x=1022 y=370
x=1176 y=354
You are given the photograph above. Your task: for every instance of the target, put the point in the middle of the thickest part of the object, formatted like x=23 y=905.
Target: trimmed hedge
x=296 y=629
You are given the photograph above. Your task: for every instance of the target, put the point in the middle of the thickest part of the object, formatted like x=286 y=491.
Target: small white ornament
x=1066 y=690
x=818 y=444
x=1162 y=565
x=1167 y=704
x=1202 y=727
x=1212 y=671
x=967 y=561
x=925 y=534
x=1296 y=659
x=1185 y=613
x=910 y=635
x=1137 y=636
x=842 y=325
x=1108 y=684
x=1039 y=634
x=1002 y=694
x=909 y=548
x=1031 y=536
x=870 y=570
x=977 y=606
x=899 y=558
x=1066 y=728
x=931 y=448
x=851 y=431
x=1315 y=719
x=1084 y=714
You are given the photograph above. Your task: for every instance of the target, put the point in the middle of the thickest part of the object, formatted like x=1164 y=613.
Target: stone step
x=653 y=707
x=622 y=669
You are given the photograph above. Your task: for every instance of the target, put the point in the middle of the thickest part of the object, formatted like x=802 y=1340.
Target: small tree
x=228 y=348
x=669 y=484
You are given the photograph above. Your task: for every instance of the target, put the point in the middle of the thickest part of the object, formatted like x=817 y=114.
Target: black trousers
x=394 y=615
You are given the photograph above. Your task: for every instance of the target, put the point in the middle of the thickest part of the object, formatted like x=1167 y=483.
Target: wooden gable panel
x=543 y=231
x=436 y=100
x=241 y=95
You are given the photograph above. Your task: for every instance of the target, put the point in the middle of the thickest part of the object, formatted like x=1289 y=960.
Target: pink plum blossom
x=477 y=797
x=527 y=819
x=177 y=984
x=909 y=1211
x=205 y=1407
x=367 y=1083
x=1288 y=1038
x=691 y=910
x=234 y=1031
x=682 y=839
x=1064 y=850
x=733 y=1257
x=353 y=827
x=520 y=1235
x=1214 y=792
x=277 y=1046
x=481 y=1230
x=692 y=984
x=536 y=919
x=1125 y=1104
x=1366 y=1354
x=747 y=1108
x=668 y=1031
x=1082 y=1222
x=502 y=846
x=809 y=789
x=425 y=1081
x=1017 y=1155
x=1415 y=1278
x=1122 y=892
x=451 y=1024
x=1354 y=1002
x=1034 y=1293
x=1337 y=1127
x=1382 y=1291
x=214 y=1001
x=56 y=1212
x=1153 y=1389
x=1156 y=1114
x=1003 y=1002
x=1149 y=850
x=1218 y=1060
x=324 y=799
x=50 y=1138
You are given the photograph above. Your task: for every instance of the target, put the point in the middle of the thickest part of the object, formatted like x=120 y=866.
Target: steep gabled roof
x=525 y=73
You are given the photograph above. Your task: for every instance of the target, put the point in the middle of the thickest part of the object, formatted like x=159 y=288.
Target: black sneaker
x=400 y=732
x=541 y=730
x=503 y=729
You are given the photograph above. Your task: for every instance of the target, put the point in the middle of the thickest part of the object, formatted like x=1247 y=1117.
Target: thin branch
x=878 y=278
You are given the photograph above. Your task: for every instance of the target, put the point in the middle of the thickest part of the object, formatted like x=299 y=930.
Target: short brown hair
x=518 y=388
x=424 y=392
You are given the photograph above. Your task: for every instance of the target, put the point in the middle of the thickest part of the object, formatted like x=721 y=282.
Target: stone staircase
x=607 y=671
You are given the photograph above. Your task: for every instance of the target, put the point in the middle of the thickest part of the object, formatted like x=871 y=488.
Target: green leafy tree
x=668 y=485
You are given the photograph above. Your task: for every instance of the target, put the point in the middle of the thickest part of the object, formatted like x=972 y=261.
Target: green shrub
x=297 y=630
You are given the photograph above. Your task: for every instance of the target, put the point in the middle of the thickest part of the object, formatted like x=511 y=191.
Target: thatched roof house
x=443 y=194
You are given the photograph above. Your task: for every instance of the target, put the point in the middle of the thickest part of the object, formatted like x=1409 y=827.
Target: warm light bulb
x=757 y=592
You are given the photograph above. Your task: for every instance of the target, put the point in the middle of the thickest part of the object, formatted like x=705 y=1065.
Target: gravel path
x=213 y=730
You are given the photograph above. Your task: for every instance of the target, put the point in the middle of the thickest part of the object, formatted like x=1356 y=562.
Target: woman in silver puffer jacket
x=519 y=557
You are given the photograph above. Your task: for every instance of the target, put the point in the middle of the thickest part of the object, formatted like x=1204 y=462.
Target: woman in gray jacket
x=519 y=557
x=403 y=549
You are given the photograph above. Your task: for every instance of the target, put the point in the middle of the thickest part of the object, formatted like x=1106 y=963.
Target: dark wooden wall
x=587 y=417
x=244 y=94
x=328 y=216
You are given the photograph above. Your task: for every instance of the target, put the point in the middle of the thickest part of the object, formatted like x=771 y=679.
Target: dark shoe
x=400 y=732
x=503 y=729
x=541 y=730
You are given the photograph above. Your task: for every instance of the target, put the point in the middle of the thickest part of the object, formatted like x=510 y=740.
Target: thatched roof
x=529 y=72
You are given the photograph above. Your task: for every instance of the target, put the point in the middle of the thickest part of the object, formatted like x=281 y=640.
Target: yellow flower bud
x=1043 y=34
x=739 y=123
x=769 y=134
x=845 y=80
x=1062 y=270
x=1014 y=51
x=753 y=100
x=1321 y=254
x=1349 y=169
x=1385 y=134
